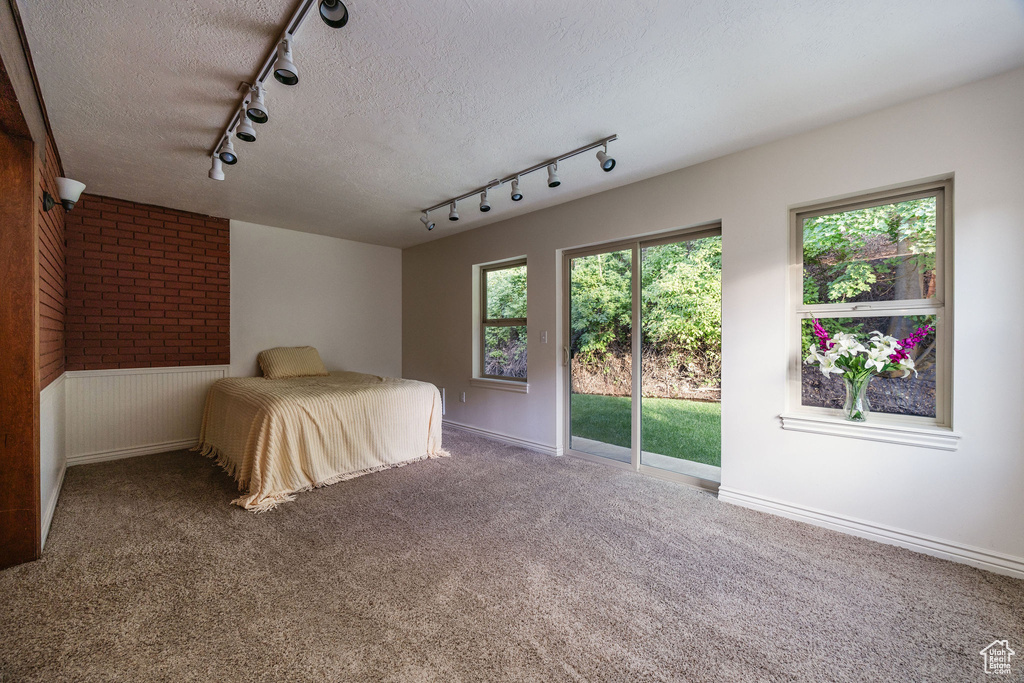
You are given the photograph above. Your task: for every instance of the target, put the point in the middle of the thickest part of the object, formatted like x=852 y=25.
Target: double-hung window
x=503 y=321
x=877 y=262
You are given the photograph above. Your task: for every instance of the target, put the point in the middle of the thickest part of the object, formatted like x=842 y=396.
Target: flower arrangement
x=858 y=361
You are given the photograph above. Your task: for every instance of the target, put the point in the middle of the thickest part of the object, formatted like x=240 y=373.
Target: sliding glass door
x=681 y=357
x=642 y=355
x=599 y=354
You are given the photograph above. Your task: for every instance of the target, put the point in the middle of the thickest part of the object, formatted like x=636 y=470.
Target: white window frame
x=481 y=323
x=929 y=432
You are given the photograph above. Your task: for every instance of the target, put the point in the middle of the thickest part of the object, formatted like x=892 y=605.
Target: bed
x=278 y=437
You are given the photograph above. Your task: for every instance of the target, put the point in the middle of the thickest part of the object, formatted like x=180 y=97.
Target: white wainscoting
x=999 y=563
x=52 y=453
x=114 y=414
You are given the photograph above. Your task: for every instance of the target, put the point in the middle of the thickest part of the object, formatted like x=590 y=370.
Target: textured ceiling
x=419 y=100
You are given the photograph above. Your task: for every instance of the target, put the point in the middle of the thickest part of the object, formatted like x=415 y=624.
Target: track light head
x=245 y=132
x=453 y=215
x=607 y=163
x=425 y=219
x=256 y=110
x=485 y=205
x=284 y=68
x=217 y=169
x=553 y=180
x=516 y=194
x=227 y=152
x=334 y=13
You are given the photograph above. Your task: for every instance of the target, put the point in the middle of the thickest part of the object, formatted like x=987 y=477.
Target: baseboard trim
x=52 y=507
x=948 y=550
x=505 y=438
x=120 y=454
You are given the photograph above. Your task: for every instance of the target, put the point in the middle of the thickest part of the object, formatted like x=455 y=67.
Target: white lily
x=847 y=345
x=826 y=361
x=908 y=366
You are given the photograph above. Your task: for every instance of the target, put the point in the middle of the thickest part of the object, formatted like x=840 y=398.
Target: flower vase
x=856 y=407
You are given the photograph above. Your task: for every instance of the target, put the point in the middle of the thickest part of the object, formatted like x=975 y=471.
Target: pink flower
x=910 y=342
x=824 y=341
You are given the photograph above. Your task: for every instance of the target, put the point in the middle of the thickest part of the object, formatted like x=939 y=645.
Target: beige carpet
x=495 y=564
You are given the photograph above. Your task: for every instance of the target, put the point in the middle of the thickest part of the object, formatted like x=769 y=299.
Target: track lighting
x=334 y=13
x=217 y=169
x=426 y=221
x=257 y=108
x=227 y=152
x=280 y=60
x=284 y=69
x=245 y=131
x=553 y=180
x=68 y=190
x=607 y=163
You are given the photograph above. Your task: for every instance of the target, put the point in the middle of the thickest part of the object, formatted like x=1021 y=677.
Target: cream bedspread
x=278 y=437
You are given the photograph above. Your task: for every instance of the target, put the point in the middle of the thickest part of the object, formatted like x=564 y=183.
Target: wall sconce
x=68 y=190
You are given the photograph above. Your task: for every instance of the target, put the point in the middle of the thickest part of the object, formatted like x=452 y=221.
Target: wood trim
x=20 y=27
x=20 y=517
x=16 y=61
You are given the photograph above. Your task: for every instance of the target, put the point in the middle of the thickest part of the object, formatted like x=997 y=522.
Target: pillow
x=291 y=361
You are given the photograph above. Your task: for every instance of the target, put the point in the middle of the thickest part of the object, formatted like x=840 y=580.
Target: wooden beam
x=19 y=368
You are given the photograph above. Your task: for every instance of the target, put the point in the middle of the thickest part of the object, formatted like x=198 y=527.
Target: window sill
x=500 y=384
x=941 y=438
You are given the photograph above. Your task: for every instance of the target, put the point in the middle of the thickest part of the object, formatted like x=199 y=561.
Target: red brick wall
x=52 y=276
x=147 y=286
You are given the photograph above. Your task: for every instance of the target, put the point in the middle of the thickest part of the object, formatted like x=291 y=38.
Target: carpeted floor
x=495 y=564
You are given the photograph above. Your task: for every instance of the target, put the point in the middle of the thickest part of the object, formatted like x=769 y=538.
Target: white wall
x=294 y=289
x=970 y=498
x=52 y=455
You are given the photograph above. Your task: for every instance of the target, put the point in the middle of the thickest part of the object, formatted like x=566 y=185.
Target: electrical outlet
x=462 y=397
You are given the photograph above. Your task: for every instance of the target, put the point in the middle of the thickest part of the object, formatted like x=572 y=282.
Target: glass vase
x=856 y=407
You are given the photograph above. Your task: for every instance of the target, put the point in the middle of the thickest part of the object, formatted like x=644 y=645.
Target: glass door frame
x=635 y=245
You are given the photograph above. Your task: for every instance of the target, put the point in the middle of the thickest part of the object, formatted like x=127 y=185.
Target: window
x=878 y=262
x=503 y=321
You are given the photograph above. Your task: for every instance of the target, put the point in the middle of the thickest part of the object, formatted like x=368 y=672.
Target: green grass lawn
x=691 y=430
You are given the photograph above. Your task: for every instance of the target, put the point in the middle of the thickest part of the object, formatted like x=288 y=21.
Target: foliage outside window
x=877 y=264
x=681 y=321
x=503 y=320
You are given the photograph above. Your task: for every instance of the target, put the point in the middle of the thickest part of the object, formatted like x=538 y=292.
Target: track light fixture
x=256 y=110
x=217 y=169
x=334 y=13
x=281 y=62
x=425 y=219
x=284 y=69
x=245 y=131
x=227 y=152
x=553 y=180
x=607 y=164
